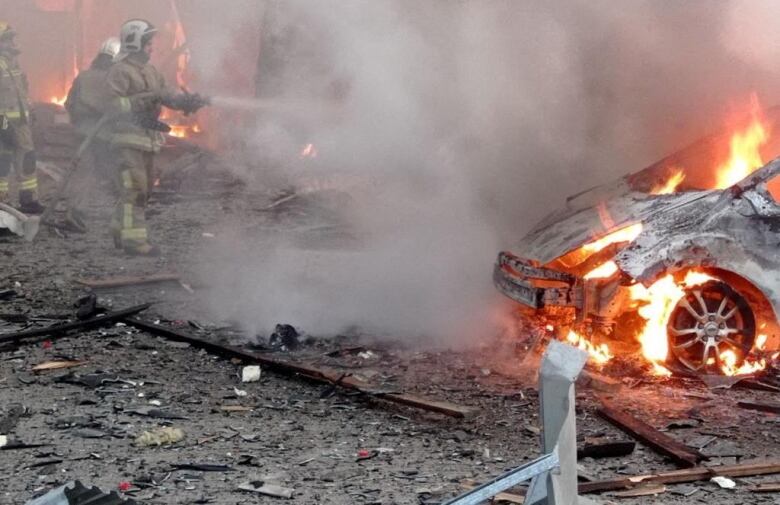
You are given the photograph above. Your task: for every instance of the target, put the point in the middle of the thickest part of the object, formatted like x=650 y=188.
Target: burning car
x=681 y=258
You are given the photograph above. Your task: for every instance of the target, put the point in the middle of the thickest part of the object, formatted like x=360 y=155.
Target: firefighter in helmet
x=86 y=105
x=17 y=152
x=138 y=92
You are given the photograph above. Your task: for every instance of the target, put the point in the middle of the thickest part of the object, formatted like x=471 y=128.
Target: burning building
x=58 y=38
x=680 y=258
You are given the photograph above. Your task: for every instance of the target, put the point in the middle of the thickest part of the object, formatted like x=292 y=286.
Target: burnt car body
x=732 y=234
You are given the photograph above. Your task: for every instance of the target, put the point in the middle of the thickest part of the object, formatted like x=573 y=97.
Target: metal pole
x=561 y=365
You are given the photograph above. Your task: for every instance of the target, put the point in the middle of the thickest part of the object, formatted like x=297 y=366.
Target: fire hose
x=74 y=165
x=189 y=103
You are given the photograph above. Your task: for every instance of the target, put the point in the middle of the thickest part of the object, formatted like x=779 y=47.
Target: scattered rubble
x=75 y=493
x=160 y=436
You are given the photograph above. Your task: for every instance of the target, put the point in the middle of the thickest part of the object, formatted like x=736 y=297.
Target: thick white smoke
x=466 y=122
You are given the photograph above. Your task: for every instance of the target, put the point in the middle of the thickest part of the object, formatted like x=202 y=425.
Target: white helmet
x=133 y=35
x=110 y=46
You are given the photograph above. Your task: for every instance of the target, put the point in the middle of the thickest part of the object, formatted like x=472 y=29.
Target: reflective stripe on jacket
x=126 y=79
x=14 y=103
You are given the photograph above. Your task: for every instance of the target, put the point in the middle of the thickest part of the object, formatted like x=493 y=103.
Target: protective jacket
x=16 y=141
x=138 y=92
x=14 y=103
x=88 y=100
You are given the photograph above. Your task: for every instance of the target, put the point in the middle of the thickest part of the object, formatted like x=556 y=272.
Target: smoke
x=456 y=126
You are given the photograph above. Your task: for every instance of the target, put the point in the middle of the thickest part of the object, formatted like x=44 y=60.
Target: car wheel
x=709 y=320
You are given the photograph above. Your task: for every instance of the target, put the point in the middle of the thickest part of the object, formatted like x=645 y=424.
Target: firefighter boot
x=29 y=204
x=74 y=220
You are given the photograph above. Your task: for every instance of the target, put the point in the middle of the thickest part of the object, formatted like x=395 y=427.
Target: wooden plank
x=322 y=375
x=766 y=487
x=757 y=385
x=763 y=407
x=680 y=453
x=118 y=282
x=685 y=475
x=647 y=490
x=57 y=365
x=61 y=330
x=606 y=450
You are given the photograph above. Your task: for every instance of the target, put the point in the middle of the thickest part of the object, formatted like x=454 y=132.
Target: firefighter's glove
x=190 y=103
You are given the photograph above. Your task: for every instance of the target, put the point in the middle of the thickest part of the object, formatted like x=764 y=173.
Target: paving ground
x=296 y=434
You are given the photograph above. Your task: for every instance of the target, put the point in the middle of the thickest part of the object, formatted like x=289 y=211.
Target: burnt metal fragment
x=76 y=493
x=285 y=336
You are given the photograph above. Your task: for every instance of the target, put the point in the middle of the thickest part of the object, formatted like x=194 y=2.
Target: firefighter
x=138 y=92
x=17 y=152
x=86 y=104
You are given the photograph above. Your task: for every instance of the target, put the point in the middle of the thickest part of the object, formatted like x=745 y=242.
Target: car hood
x=593 y=214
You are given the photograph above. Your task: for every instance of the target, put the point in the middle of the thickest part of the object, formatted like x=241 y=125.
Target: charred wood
x=680 y=453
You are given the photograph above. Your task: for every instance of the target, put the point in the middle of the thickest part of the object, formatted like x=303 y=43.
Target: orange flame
x=603 y=271
x=728 y=364
x=627 y=234
x=59 y=100
x=658 y=302
x=178 y=131
x=761 y=342
x=598 y=354
x=670 y=185
x=745 y=156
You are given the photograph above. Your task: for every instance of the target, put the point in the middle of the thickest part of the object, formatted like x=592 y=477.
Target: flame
x=627 y=234
x=728 y=364
x=179 y=131
x=59 y=100
x=599 y=354
x=657 y=303
x=603 y=271
x=745 y=156
x=670 y=185
x=761 y=342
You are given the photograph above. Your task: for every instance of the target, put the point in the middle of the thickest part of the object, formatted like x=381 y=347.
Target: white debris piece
x=19 y=223
x=239 y=392
x=250 y=374
x=3 y=440
x=724 y=482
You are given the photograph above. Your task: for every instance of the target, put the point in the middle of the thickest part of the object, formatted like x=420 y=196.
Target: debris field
x=125 y=407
